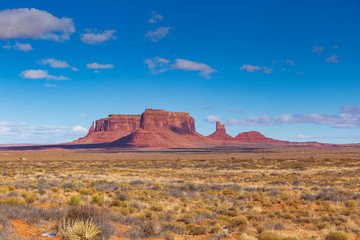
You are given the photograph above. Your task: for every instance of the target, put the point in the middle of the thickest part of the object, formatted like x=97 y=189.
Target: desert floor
x=266 y=194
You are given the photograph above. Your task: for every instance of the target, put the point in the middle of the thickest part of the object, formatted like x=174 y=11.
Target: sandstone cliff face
x=153 y=128
x=220 y=133
x=111 y=128
x=159 y=128
x=180 y=122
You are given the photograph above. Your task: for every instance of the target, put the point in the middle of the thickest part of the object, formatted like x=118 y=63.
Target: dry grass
x=267 y=193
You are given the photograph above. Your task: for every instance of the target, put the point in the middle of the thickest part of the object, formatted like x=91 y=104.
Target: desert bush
x=168 y=235
x=96 y=198
x=12 y=201
x=74 y=200
x=269 y=236
x=86 y=191
x=337 y=235
x=30 y=199
x=240 y=223
x=118 y=203
x=196 y=229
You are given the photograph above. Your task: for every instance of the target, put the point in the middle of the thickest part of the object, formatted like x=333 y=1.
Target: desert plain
x=251 y=192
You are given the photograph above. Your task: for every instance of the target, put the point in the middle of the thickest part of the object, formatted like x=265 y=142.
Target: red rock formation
x=220 y=133
x=159 y=128
x=110 y=129
x=154 y=119
x=254 y=137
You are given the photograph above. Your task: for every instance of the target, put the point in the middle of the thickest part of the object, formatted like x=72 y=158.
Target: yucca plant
x=79 y=230
x=84 y=230
x=74 y=200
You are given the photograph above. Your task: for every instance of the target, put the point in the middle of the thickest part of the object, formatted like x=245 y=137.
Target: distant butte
x=220 y=133
x=157 y=128
x=109 y=129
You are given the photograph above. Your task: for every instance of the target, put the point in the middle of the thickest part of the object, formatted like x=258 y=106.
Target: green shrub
x=337 y=235
x=74 y=200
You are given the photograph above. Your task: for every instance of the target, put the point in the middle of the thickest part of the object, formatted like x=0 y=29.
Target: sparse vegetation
x=166 y=195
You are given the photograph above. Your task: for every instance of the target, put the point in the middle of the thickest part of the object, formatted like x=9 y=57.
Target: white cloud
x=318 y=50
x=54 y=63
x=159 y=33
x=41 y=74
x=212 y=119
x=252 y=68
x=21 y=133
x=24 y=47
x=99 y=66
x=348 y=118
x=155 y=17
x=187 y=65
x=83 y=115
x=32 y=23
x=303 y=136
x=333 y=59
x=290 y=62
x=157 y=65
x=50 y=85
x=97 y=38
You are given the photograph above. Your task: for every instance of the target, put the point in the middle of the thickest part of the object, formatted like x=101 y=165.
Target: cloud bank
x=349 y=117
x=32 y=23
x=22 y=133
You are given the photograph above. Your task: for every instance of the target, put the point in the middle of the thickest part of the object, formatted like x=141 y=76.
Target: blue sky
x=288 y=69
